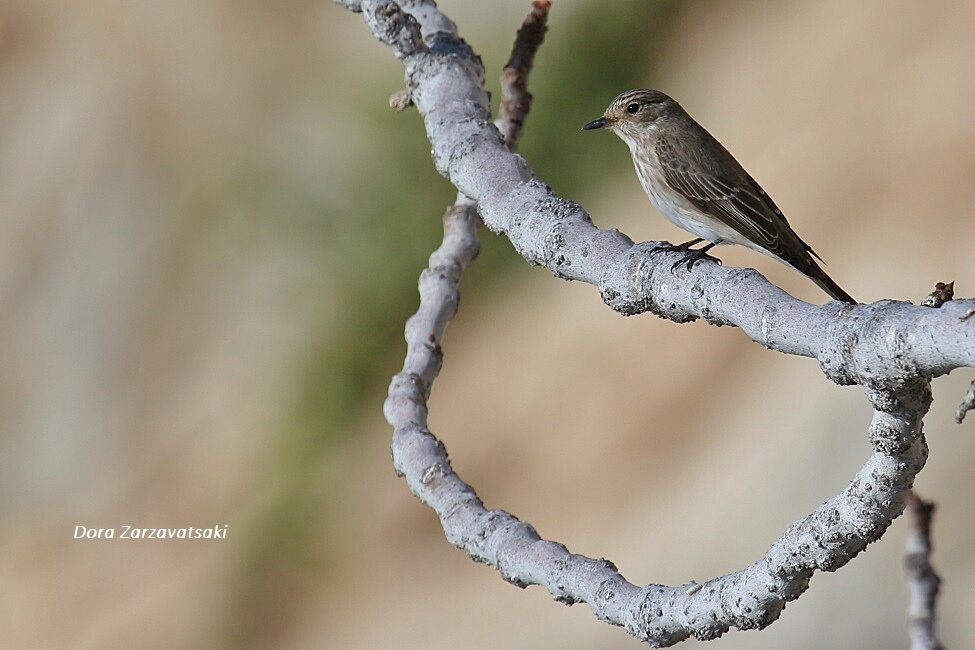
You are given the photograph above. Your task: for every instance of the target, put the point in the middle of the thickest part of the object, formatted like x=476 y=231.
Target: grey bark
x=890 y=348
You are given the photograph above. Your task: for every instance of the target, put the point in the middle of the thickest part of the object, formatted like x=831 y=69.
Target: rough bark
x=890 y=348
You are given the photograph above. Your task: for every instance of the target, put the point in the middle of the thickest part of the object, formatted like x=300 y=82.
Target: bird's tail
x=826 y=284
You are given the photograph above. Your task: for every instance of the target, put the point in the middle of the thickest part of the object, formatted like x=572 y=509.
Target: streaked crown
x=640 y=106
x=634 y=113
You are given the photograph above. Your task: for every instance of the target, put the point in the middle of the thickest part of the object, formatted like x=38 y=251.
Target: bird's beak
x=597 y=124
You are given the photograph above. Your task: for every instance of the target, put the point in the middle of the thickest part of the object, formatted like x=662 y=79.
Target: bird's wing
x=714 y=182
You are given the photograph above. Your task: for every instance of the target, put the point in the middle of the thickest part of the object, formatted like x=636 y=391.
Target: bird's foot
x=693 y=258
x=666 y=247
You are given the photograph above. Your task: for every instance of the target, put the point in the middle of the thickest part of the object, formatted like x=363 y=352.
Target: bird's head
x=634 y=111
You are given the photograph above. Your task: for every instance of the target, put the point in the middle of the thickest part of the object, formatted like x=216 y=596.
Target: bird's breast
x=674 y=206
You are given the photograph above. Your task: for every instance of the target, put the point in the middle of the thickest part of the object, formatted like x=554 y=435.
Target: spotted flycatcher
x=700 y=187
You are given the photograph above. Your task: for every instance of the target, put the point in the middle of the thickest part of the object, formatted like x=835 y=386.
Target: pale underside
x=676 y=208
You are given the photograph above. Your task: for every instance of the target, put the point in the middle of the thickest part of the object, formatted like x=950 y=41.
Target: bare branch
x=923 y=583
x=658 y=614
x=854 y=344
x=515 y=98
x=967 y=404
x=892 y=349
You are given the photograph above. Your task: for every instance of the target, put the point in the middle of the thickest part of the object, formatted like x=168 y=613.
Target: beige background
x=154 y=312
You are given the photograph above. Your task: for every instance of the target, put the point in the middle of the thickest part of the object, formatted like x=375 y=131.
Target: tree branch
x=891 y=348
x=967 y=404
x=923 y=583
x=853 y=344
x=515 y=98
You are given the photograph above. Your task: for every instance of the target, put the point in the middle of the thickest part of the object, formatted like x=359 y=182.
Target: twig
x=400 y=100
x=515 y=98
x=444 y=77
x=942 y=293
x=967 y=404
x=923 y=583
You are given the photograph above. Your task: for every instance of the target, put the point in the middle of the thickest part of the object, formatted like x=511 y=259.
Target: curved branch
x=658 y=614
x=859 y=344
x=891 y=348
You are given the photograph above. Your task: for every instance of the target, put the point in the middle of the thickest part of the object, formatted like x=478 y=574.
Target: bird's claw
x=665 y=247
x=692 y=259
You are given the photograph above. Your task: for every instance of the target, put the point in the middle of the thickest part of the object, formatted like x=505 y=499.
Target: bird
x=699 y=186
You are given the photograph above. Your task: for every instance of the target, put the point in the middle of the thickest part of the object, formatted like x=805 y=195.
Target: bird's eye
x=632 y=108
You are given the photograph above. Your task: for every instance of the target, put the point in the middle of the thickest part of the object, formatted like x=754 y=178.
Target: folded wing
x=728 y=193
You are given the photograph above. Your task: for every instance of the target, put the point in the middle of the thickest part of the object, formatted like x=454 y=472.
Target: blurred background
x=211 y=226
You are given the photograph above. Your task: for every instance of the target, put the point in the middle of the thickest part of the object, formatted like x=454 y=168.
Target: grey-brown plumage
x=699 y=186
